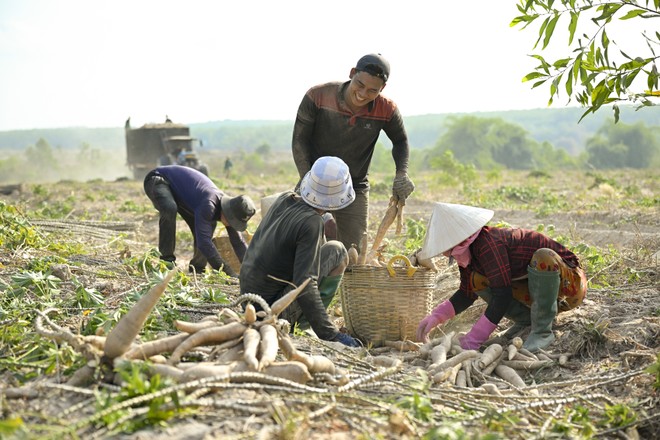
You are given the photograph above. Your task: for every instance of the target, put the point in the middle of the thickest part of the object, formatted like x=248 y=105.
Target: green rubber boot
x=328 y=288
x=520 y=314
x=517 y=312
x=543 y=289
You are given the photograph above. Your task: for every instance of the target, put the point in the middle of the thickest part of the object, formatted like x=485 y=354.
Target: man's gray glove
x=402 y=186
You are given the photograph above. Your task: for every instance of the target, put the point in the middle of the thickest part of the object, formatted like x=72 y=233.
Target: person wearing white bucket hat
x=521 y=274
x=289 y=244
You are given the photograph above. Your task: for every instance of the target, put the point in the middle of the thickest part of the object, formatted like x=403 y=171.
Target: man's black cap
x=374 y=64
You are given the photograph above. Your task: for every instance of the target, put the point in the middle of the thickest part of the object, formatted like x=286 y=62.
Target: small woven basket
x=227 y=253
x=386 y=303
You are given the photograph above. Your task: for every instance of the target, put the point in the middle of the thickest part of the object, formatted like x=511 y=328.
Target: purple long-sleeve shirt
x=197 y=196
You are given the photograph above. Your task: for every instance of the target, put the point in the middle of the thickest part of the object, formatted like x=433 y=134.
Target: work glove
x=478 y=334
x=402 y=187
x=347 y=340
x=440 y=314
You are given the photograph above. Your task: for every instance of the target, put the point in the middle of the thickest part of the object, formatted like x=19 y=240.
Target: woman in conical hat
x=522 y=274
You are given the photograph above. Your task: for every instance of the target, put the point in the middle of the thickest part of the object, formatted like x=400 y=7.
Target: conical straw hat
x=449 y=225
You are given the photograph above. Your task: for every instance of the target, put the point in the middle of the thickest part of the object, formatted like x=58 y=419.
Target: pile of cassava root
x=229 y=342
x=445 y=361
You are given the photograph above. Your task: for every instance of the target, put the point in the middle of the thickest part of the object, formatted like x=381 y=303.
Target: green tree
x=41 y=154
x=9 y=169
x=598 y=71
x=42 y=162
x=623 y=146
x=603 y=155
x=263 y=149
x=381 y=160
x=466 y=137
x=453 y=171
x=489 y=142
x=510 y=146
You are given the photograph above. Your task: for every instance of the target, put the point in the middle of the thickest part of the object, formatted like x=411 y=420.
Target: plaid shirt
x=502 y=254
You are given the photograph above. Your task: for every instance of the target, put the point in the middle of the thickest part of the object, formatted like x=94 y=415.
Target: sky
x=85 y=63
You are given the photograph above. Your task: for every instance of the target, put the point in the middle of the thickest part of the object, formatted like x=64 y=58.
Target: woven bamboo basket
x=223 y=245
x=386 y=303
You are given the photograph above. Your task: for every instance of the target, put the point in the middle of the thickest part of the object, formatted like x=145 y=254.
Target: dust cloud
x=19 y=168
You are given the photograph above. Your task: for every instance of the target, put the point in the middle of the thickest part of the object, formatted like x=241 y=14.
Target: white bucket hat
x=328 y=184
x=449 y=225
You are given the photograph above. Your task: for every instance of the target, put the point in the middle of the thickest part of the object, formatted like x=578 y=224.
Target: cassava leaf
x=550 y=30
x=572 y=26
x=632 y=14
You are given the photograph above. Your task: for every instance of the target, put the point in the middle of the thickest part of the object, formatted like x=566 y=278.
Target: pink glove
x=440 y=314
x=479 y=333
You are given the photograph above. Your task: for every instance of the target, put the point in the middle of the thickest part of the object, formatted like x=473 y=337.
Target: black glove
x=347 y=340
x=402 y=187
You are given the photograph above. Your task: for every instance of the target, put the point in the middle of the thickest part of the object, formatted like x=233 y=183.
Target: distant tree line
x=489 y=143
x=466 y=142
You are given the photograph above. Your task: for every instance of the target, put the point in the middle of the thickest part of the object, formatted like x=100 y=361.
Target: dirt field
x=609 y=340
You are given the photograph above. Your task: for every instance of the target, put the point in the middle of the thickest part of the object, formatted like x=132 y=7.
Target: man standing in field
x=177 y=189
x=345 y=120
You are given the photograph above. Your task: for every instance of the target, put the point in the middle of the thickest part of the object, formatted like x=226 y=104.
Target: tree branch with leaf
x=598 y=71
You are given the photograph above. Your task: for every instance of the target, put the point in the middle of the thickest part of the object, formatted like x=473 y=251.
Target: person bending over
x=289 y=244
x=521 y=274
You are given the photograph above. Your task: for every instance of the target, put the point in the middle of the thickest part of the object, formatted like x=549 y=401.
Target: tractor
x=154 y=145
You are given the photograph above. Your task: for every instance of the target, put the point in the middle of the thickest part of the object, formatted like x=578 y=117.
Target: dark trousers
x=160 y=194
x=352 y=220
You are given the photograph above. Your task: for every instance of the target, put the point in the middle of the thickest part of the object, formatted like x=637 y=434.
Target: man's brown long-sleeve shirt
x=325 y=126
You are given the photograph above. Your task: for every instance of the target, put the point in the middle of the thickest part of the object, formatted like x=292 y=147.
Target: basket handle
x=411 y=269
